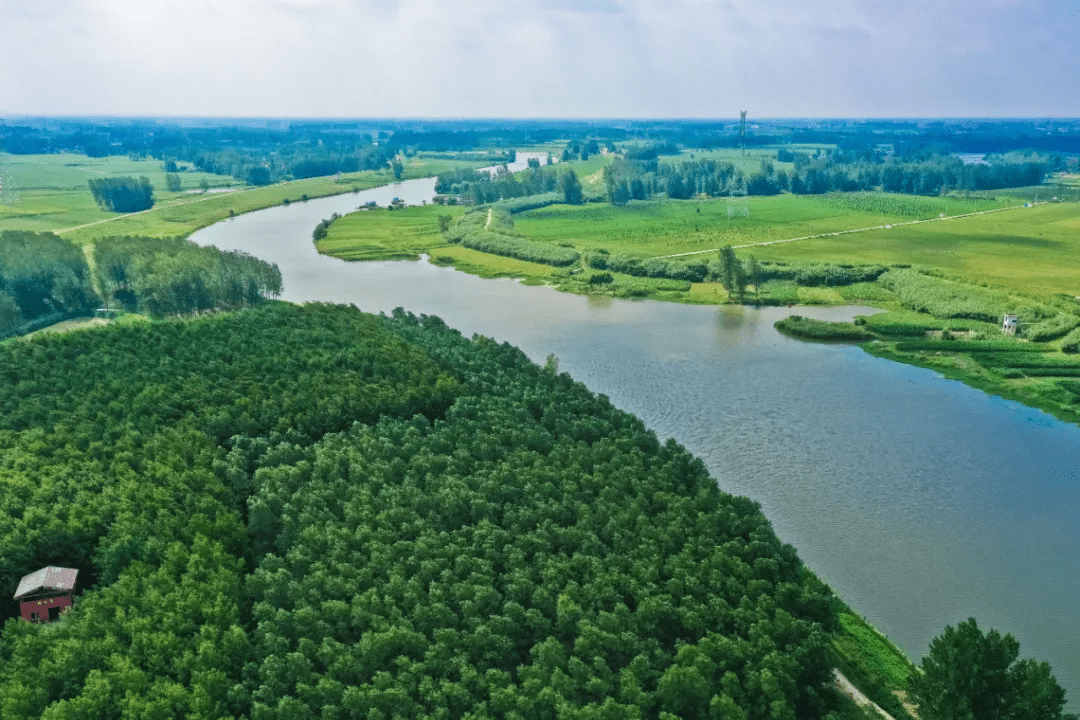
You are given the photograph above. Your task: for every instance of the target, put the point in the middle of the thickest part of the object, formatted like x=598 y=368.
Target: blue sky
x=549 y=58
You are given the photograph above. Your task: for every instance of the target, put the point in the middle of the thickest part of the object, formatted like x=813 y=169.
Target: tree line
x=480 y=187
x=42 y=277
x=173 y=276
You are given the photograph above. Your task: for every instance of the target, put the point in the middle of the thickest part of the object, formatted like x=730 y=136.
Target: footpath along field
x=665 y=227
x=1032 y=250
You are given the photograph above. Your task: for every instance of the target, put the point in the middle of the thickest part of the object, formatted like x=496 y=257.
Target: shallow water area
x=921 y=501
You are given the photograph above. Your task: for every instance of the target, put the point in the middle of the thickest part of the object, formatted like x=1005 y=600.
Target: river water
x=919 y=500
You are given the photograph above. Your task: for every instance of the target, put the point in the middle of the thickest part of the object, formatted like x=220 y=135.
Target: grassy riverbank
x=968 y=271
x=53 y=195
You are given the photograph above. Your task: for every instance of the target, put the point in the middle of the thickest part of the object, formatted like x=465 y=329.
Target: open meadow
x=664 y=227
x=53 y=195
x=1032 y=250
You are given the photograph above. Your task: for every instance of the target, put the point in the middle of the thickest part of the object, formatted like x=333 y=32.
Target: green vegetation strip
x=811 y=329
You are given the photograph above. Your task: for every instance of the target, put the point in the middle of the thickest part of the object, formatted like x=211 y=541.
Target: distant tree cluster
x=41 y=276
x=481 y=186
x=834 y=171
x=172 y=276
x=123 y=194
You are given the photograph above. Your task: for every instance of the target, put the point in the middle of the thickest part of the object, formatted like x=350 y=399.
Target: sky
x=541 y=58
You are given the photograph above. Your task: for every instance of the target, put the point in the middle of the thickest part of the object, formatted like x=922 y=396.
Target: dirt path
x=856 y=230
x=163 y=206
x=488 y=223
x=844 y=685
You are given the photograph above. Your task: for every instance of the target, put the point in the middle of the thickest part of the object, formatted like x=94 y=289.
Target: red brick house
x=46 y=593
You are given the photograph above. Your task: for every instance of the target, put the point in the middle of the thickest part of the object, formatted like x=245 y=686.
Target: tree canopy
x=971 y=675
x=122 y=194
x=307 y=511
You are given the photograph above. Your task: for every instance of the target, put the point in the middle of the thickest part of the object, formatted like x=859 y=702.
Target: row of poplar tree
x=44 y=278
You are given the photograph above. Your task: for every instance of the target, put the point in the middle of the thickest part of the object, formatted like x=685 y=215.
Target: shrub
x=810 y=329
x=944 y=298
x=1053 y=328
x=495 y=234
x=1071 y=343
x=648 y=267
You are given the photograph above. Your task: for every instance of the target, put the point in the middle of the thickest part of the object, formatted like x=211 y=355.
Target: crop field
x=383 y=234
x=1031 y=250
x=53 y=195
x=664 y=227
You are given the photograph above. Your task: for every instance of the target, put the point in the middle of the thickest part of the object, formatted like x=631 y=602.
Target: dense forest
x=307 y=511
x=44 y=278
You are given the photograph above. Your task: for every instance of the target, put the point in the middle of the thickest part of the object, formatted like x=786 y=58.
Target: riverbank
x=56 y=199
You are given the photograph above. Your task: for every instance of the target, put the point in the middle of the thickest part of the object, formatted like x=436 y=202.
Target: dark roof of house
x=47 y=578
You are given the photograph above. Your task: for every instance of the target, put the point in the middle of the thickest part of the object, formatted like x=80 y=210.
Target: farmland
x=1030 y=250
x=665 y=227
x=53 y=195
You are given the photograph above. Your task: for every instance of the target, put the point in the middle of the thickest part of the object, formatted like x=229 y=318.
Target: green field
x=53 y=195
x=1034 y=250
x=382 y=234
x=664 y=227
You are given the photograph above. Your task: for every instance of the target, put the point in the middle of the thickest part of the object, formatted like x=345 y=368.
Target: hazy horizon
x=522 y=59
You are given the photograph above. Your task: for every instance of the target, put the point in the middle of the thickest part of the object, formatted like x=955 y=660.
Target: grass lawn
x=54 y=195
x=1035 y=250
x=664 y=227
x=383 y=234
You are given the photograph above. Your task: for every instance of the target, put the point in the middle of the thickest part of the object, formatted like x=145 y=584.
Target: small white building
x=1009 y=325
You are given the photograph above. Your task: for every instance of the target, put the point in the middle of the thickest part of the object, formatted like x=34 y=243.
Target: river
x=921 y=501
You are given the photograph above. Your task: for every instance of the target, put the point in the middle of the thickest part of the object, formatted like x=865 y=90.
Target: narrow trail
x=163 y=206
x=844 y=685
x=888 y=226
x=488 y=223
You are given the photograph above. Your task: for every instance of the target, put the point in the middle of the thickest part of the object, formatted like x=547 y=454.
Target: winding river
x=921 y=501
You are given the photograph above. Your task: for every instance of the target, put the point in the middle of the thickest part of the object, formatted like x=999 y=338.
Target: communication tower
x=742 y=131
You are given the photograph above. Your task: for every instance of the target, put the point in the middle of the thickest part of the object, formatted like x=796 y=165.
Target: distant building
x=46 y=593
x=1009 y=325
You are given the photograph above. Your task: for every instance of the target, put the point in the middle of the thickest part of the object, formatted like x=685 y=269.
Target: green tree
x=753 y=271
x=732 y=275
x=172 y=182
x=570 y=187
x=969 y=675
x=444 y=223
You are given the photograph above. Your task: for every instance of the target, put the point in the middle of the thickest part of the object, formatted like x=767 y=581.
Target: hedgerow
x=648 y=267
x=492 y=231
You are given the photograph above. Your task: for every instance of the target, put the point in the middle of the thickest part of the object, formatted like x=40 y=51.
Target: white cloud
x=592 y=58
